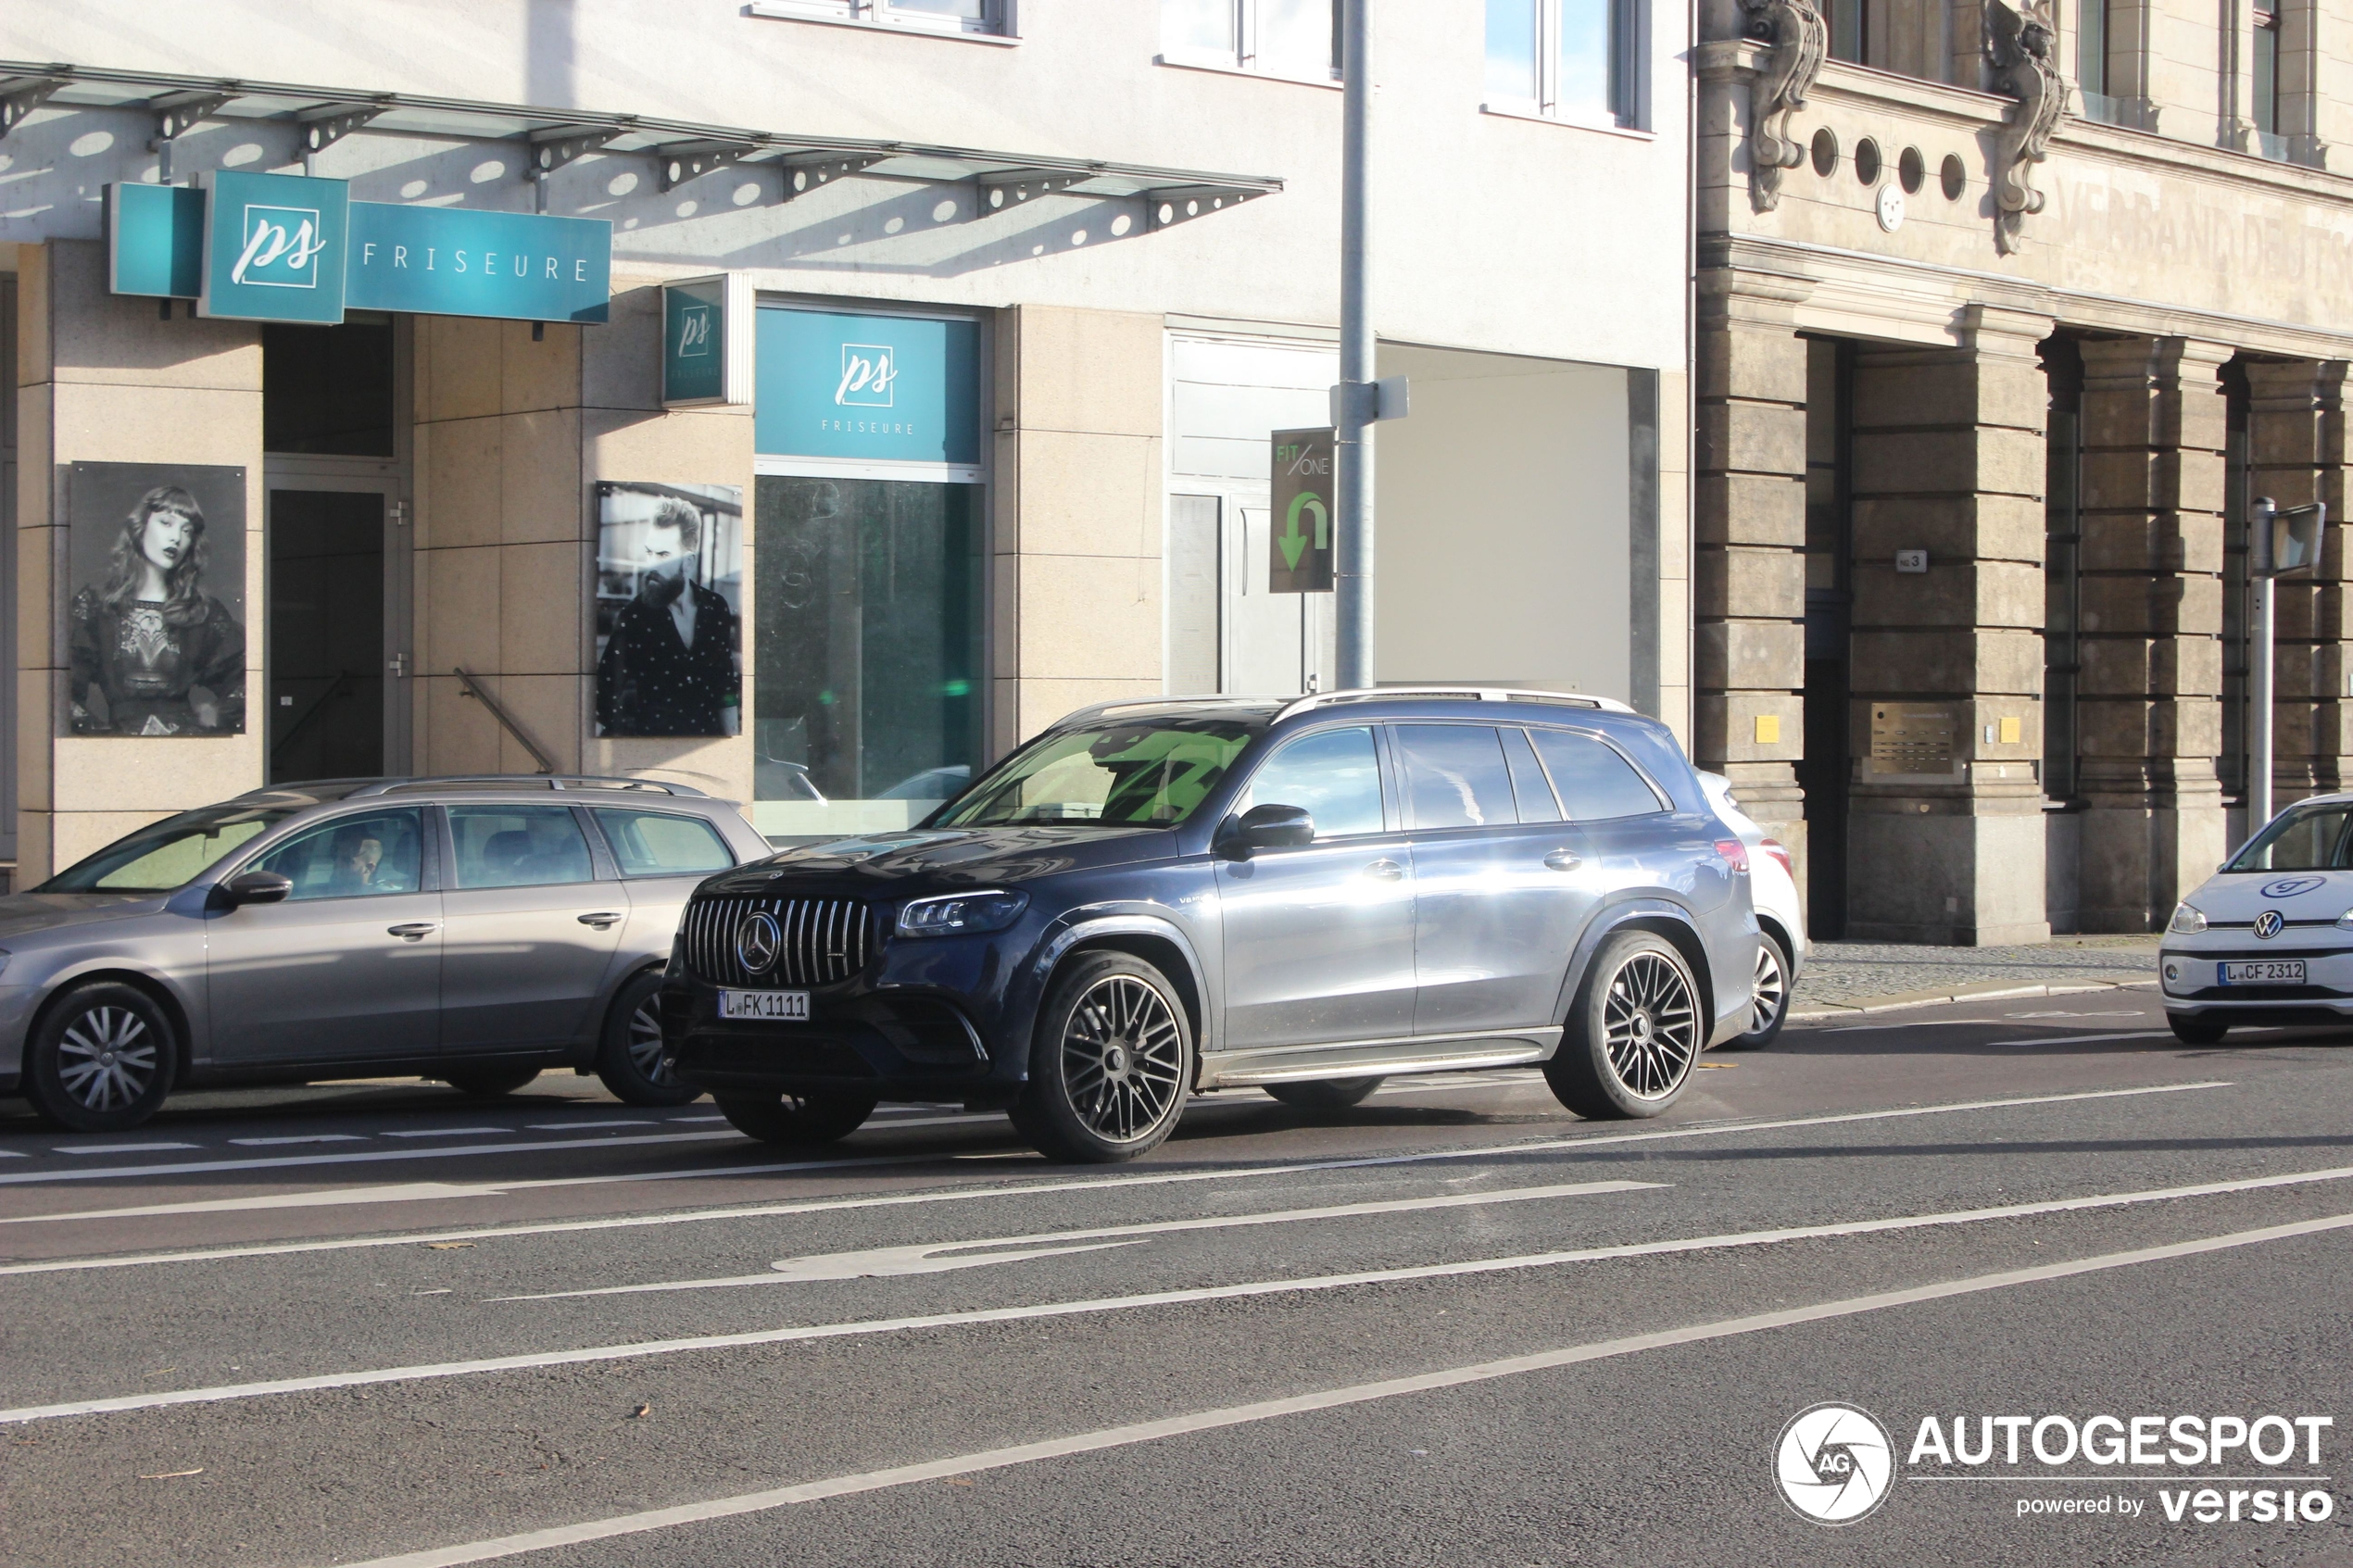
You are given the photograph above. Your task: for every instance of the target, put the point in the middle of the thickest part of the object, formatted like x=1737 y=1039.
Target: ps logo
x=694 y=332
x=281 y=248
x=868 y=373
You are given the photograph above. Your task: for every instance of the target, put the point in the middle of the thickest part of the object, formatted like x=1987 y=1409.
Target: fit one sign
x=284 y=248
x=1301 y=522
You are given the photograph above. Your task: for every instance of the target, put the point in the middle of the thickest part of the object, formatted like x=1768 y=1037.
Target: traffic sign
x=1300 y=561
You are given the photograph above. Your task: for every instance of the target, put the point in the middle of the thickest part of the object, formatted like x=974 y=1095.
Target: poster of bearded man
x=669 y=600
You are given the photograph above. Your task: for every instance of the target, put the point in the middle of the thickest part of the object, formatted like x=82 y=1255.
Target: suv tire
x=1325 y=1094
x=630 y=1060
x=1111 y=1063
x=796 y=1118
x=1634 y=1033
x=2193 y=1029
x=101 y=1060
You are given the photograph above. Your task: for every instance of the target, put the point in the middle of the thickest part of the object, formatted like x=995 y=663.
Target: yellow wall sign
x=2010 y=730
x=1769 y=729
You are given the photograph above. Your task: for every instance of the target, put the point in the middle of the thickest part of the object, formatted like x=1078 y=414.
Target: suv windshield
x=2313 y=840
x=1149 y=772
x=169 y=854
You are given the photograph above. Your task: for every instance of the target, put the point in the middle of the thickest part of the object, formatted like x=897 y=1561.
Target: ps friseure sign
x=285 y=247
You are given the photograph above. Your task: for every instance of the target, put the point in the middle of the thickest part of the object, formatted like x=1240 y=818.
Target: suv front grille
x=821 y=940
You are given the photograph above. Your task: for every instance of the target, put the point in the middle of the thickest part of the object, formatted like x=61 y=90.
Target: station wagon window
x=353 y=856
x=518 y=845
x=1594 y=781
x=1334 y=774
x=1455 y=776
x=167 y=854
x=2313 y=840
x=662 y=843
x=1153 y=773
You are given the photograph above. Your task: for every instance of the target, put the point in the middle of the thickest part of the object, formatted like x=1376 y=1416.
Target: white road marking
x=872 y=1326
x=940 y=1257
x=2085 y=1039
x=446 y=1131
x=108 y=1149
x=577 y=1127
x=1329 y=1399
x=2119 y=1012
x=13 y=1154
x=818 y=1205
x=280 y=1163
x=299 y=1137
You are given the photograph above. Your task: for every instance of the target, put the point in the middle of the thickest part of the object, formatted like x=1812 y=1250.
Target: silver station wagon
x=472 y=930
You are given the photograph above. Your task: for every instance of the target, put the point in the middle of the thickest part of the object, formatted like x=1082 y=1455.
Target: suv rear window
x=1595 y=782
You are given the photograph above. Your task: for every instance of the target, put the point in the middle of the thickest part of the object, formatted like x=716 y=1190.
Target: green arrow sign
x=1302 y=488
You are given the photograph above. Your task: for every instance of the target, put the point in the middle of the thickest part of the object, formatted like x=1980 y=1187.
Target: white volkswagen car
x=1781 y=918
x=2268 y=938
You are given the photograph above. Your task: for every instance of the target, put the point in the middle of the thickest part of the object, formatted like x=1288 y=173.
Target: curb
x=1980 y=991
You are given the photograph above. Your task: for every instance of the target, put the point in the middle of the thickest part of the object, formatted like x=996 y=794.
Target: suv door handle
x=1563 y=860
x=1385 y=870
x=603 y=919
x=416 y=933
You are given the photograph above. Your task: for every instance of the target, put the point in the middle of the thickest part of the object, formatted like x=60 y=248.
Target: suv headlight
x=2187 y=920
x=961 y=914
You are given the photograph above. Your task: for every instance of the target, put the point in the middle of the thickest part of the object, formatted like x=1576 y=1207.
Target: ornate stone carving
x=2020 y=45
x=1800 y=41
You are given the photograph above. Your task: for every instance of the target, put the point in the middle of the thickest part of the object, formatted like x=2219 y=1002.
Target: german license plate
x=792 y=1007
x=2262 y=971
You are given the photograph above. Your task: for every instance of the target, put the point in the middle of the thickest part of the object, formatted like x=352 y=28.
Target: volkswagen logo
x=2268 y=923
x=756 y=939
x=1834 y=1463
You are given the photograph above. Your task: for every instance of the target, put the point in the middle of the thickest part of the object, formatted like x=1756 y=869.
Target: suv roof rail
x=1097 y=710
x=524 y=780
x=1453 y=693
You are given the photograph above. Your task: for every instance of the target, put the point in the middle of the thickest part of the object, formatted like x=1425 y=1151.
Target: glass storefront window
x=867 y=668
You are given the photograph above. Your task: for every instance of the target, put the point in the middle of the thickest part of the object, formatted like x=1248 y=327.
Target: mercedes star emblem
x=756 y=939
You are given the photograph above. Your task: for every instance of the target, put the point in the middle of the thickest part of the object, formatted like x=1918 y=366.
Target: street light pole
x=1353 y=419
x=2280 y=542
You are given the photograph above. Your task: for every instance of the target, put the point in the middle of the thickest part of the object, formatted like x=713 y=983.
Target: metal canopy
x=681 y=150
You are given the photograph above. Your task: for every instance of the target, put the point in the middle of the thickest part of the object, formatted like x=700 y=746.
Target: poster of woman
x=155 y=628
x=669 y=590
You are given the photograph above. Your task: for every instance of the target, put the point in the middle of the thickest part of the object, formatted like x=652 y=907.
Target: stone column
x=2296 y=425
x=1749 y=568
x=1945 y=830
x=2149 y=698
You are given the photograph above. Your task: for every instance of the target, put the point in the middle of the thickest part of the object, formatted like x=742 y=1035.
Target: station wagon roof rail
x=1102 y=709
x=523 y=781
x=1445 y=694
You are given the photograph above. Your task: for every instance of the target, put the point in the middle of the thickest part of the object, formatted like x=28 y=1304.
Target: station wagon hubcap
x=645 y=1044
x=1650 y=1027
x=107 y=1058
x=1123 y=1059
x=1772 y=988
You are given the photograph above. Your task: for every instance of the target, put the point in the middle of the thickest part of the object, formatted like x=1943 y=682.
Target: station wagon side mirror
x=255 y=887
x=1271 y=826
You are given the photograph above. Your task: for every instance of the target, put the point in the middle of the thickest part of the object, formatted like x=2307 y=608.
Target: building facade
x=925 y=392
x=2003 y=320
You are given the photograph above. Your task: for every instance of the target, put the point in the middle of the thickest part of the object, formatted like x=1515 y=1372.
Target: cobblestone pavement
x=1848 y=973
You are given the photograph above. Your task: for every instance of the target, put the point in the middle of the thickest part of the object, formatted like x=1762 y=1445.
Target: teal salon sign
x=283 y=247
x=881 y=388
x=273 y=247
x=707 y=348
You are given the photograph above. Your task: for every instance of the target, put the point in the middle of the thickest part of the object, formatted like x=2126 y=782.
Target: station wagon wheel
x=630 y=1058
x=102 y=1058
x=1768 y=1002
x=1111 y=1063
x=1634 y=1034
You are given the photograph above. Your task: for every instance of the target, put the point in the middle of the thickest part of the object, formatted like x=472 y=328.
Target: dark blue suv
x=1163 y=897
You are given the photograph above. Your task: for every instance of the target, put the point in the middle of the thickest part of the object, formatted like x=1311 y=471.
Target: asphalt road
x=376 y=1323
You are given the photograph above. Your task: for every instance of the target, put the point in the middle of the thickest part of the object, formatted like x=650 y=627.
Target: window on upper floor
x=989 y=17
x=1566 y=59
x=2264 y=110
x=1298 y=39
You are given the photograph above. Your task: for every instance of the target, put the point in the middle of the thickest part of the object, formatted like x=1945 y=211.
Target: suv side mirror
x=255 y=887
x=1271 y=826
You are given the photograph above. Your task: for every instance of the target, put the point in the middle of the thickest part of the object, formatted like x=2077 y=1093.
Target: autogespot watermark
x=1836 y=1464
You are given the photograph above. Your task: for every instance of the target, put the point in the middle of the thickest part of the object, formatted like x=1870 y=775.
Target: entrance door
x=328 y=655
